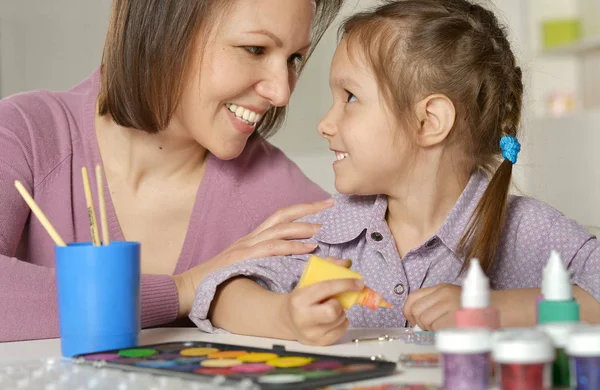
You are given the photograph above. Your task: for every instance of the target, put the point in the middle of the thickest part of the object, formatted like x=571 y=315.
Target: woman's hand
x=313 y=315
x=272 y=238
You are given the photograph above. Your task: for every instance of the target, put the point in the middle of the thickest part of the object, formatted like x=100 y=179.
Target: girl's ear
x=436 y=115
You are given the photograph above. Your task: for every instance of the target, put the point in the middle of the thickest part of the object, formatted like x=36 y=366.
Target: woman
x=176 y=115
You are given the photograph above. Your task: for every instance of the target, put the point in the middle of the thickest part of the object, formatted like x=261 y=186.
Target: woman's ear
x=436 y=115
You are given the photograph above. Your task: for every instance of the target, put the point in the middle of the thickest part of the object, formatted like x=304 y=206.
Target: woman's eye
x=296 y=59
x=256 y=50
x=351 y=98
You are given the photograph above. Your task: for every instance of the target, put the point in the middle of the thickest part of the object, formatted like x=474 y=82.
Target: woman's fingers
x=284 y=231
x=269 y=249
x=292 y=213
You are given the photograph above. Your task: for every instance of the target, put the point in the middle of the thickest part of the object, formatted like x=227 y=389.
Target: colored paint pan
x=184 y=367
x=157 y=363
x=320 y=374
x=138 y=352
x=197 y=351
x=215 y=371
x=220 y=363
x=257 y=357
x=253 y=368
x=290 y=361
x=227 y=354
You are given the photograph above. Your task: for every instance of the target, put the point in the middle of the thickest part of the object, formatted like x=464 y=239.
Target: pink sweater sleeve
x=28 y=301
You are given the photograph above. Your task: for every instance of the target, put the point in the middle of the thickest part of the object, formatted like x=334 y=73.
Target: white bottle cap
x=585 y=342
x=476 y=287
x=453 y=340
x=556 y=285
x=528 y=346
x=558 y=332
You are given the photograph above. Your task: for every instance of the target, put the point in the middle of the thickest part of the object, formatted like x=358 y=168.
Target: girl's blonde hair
x=459 y=49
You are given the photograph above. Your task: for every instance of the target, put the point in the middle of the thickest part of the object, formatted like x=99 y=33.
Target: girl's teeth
x=341 y=156
x=240 y=111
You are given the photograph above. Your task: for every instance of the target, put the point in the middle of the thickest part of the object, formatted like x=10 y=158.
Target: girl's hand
x=272 y=238
x=433 y=308
x=312 y=314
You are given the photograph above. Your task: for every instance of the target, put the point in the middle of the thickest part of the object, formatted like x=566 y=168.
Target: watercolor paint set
x=274 y=368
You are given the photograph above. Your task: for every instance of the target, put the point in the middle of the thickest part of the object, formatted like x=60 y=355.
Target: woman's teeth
x=340 y=155
x=245 y=115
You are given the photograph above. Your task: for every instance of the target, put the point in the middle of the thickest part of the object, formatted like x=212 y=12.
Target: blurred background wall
x=55 y=44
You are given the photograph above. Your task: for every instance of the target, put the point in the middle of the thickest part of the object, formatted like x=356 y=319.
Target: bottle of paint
x=583 y=349
x=319 y=270
x=465 y=357
x=524 y=358
x=475 y=311
x=558 y=304
x=558 y=333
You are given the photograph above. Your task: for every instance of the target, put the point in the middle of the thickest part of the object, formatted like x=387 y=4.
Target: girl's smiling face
x=373 y=151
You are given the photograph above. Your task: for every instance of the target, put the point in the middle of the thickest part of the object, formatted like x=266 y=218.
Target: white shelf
x=584 y=46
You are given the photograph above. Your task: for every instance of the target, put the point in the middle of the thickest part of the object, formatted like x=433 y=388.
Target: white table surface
x=390 y=350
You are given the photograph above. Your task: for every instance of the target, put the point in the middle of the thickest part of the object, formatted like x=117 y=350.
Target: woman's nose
x=276 y=87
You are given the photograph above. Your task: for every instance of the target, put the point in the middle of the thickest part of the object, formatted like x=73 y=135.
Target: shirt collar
x=455 y=225
x=353 y=214
x=349 y=217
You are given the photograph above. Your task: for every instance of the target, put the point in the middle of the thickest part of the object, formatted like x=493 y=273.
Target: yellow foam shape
x=257 y=357
x=289 y=361
x=197 y=351
x=221 y=363
x=319 y=270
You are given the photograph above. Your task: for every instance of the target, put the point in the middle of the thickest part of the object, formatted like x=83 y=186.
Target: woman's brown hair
x=459 y=49
x=147 y=55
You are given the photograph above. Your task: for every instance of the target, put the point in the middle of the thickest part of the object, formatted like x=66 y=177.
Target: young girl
x=424 y=125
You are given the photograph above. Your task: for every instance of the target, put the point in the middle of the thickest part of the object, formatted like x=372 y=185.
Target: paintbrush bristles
x=90 y=207
x=37 y=211
x=102 y=206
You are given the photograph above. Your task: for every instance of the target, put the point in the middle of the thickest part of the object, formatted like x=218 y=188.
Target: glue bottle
x=557 y=304
x=475 y=311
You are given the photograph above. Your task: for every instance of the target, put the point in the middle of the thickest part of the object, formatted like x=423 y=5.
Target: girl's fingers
x=414 y=303
x=328 y=314
x=432 y=314
x=322 y=291
x=336 y=333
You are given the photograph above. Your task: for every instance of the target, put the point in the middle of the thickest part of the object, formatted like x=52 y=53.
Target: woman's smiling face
x=248 y=64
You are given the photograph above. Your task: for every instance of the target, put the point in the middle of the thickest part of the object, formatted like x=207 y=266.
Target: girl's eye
x=351 y=98
x=256 y=50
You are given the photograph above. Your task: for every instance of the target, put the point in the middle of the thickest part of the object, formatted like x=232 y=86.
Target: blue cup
x=98 y=296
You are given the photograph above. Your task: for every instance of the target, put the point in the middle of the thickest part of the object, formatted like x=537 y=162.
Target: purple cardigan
x=46 y=138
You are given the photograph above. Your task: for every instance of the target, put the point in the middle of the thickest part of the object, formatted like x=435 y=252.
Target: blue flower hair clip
x=510 y=148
